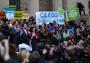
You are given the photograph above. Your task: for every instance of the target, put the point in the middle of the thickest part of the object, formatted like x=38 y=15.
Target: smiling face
x=65 y=43
x=33 y=29
x=25 y=26
x=78 y=30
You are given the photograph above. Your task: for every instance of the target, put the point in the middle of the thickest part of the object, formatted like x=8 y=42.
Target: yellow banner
x=12 y=6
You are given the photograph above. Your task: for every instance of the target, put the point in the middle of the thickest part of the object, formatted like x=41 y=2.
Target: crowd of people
x=26 y=42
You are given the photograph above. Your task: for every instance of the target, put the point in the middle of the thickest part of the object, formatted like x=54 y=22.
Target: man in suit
x=14 y=34
x=24 y=36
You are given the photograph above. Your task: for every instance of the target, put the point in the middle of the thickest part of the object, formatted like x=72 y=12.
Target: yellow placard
x=18 y=15
x=25 y=16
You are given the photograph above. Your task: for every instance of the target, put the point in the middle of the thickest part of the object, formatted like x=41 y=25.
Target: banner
x=9 y=9
x=73 y=12
x=12 y=6
x=47 y=17
x=9 y=12
x=18 y=15
x=2 y=14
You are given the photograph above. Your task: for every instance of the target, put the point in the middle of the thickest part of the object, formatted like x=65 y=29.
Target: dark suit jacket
x=24 y=38
x=14 y=36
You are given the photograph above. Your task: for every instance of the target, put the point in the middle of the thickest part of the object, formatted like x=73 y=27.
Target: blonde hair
x=25 y=55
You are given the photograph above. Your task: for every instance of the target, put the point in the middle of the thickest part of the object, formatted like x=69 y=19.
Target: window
x=15 y=2
x=24 y=5
x=45 y=5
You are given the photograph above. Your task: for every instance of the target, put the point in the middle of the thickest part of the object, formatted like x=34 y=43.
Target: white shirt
x=27 y=47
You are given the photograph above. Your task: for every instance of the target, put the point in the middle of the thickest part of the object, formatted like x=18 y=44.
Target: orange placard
x=2 y=14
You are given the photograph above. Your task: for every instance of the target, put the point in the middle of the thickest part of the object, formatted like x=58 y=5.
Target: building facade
x=44 y=5
x=32 y=6
x=54 y=5
x=4 y=4
x=24 y=5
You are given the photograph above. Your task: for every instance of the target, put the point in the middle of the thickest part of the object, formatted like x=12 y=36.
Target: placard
x=2 y=14
x=9 y=12
x=18 y=15
x=25 y=16
x=73 y=12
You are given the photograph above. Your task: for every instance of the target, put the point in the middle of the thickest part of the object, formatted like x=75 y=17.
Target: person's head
x=78 y=30
x=70 y=51
x=51 y=24
x=18 y=27
x=88 y=36
x=1 y=22
x=81 y=42
x=71 y=34
x=12 y=50
x=65 y=43
x=70 y=42
x=34 y=30
x=54 y=22
x=1 y=59
x=23 y=53
x=61 y=28
x=6 y=22
x=25 y=26
x=40 y=46
x=3 y=36
x=15 y=23
x=55 y=33
x=34 y=57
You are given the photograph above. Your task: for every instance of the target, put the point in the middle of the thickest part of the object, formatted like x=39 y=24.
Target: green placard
x=73 y=12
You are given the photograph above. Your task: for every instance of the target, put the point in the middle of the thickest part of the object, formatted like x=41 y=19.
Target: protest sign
x=2 y=14
x=73 y=13
x=25 y=16
x=9 y=12
x=50 y=16
x=18 y=14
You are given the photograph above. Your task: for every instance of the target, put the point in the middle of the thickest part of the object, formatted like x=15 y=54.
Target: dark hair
x=55 y=33
x=2 y=36
x=1 y=59
x=34 y=57
x=12 y=50
x=51 y=24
